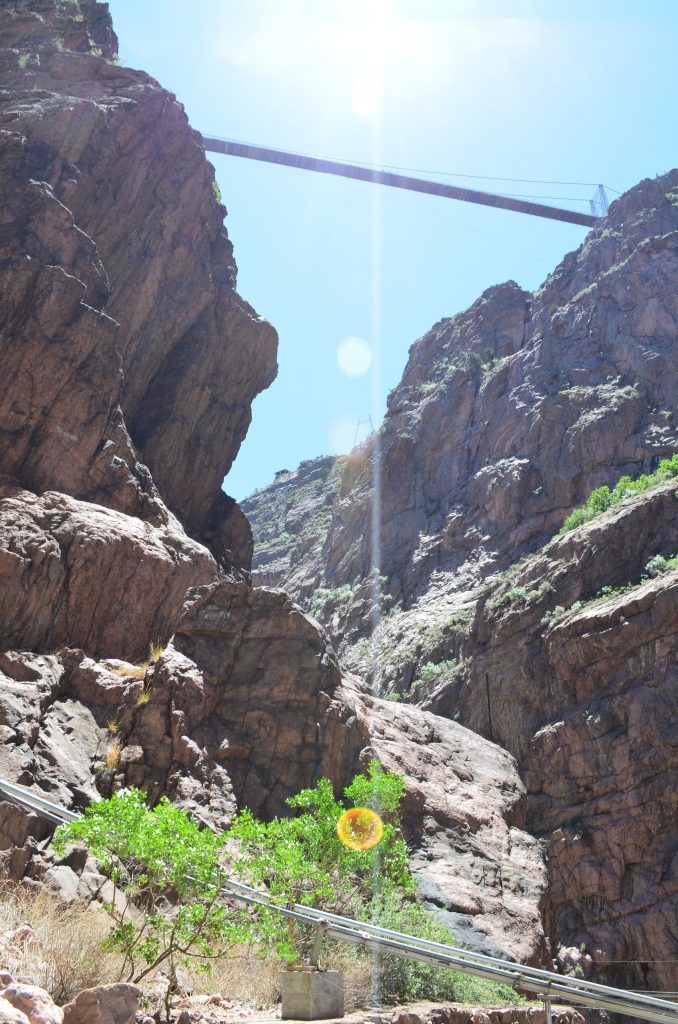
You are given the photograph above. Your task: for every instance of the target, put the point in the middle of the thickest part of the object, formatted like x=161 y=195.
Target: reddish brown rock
x=105 y=1004
x=10 y=1015
x=35 y=1002
x=582 y=691
x=77 y=574
x=109 y=192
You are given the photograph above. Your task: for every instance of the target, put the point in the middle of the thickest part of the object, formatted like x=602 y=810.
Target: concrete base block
x=312 y=995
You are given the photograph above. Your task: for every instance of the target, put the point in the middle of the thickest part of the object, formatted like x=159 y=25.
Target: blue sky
x=550 y=90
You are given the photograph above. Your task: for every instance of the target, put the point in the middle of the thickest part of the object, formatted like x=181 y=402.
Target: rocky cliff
x=563 y=651
x=130 y=363
x=512 y=412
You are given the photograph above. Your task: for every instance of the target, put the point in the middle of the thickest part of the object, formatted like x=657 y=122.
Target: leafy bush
x=161 y=859
x=321 y=596
x=430 y=671
x=302 y=860
x=171 y=870
x=658 y=565
x=410 y=980
x=602 y=498
x=515 y=594
x=669 y=467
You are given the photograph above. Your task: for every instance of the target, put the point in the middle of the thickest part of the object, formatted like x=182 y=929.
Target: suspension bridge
x=247 y=151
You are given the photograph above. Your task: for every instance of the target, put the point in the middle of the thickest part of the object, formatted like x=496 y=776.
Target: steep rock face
x=290 y=519
x=582 y=690
x=123 y=218
x=510 y=413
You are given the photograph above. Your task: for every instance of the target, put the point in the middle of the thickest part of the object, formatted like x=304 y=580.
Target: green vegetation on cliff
x=603 y=498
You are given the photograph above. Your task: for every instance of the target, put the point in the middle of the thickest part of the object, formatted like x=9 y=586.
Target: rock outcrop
x=130 y=365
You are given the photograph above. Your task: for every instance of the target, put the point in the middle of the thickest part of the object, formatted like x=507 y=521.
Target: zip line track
x=546 y=985
x=433 y=188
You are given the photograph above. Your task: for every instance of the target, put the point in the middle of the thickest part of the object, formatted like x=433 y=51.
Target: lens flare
x=354 y=357
x=361 y=828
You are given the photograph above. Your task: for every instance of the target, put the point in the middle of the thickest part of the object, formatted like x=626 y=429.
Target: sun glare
x=368 y=40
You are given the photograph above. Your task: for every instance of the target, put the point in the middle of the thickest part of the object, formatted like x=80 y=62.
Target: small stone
x=10 y=1015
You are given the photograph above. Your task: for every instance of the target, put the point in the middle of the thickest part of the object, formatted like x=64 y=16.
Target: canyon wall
x=130 y=364
x=561 y=649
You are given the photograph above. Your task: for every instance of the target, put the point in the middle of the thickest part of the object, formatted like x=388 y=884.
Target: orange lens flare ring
x=361 y=828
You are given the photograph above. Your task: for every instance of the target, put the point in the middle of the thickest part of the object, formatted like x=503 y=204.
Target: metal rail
x=547 y=985
x=434 y=188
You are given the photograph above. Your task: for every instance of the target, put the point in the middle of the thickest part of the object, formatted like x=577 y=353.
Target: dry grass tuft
x=358 y=969
x=130 y=671
x=113 y=752
x=156 y=652
x=61 y=949
x=144 y=698
x=243 y=978
x=114 y=725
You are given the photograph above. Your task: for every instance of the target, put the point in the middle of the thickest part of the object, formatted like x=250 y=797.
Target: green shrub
x=301 y=859
x=658 y=565
x=431 y=670
x=669 y=467
x=410 y=980
x=602 y=498
x=157 y=857
x=321 y=596
x=515 y=594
